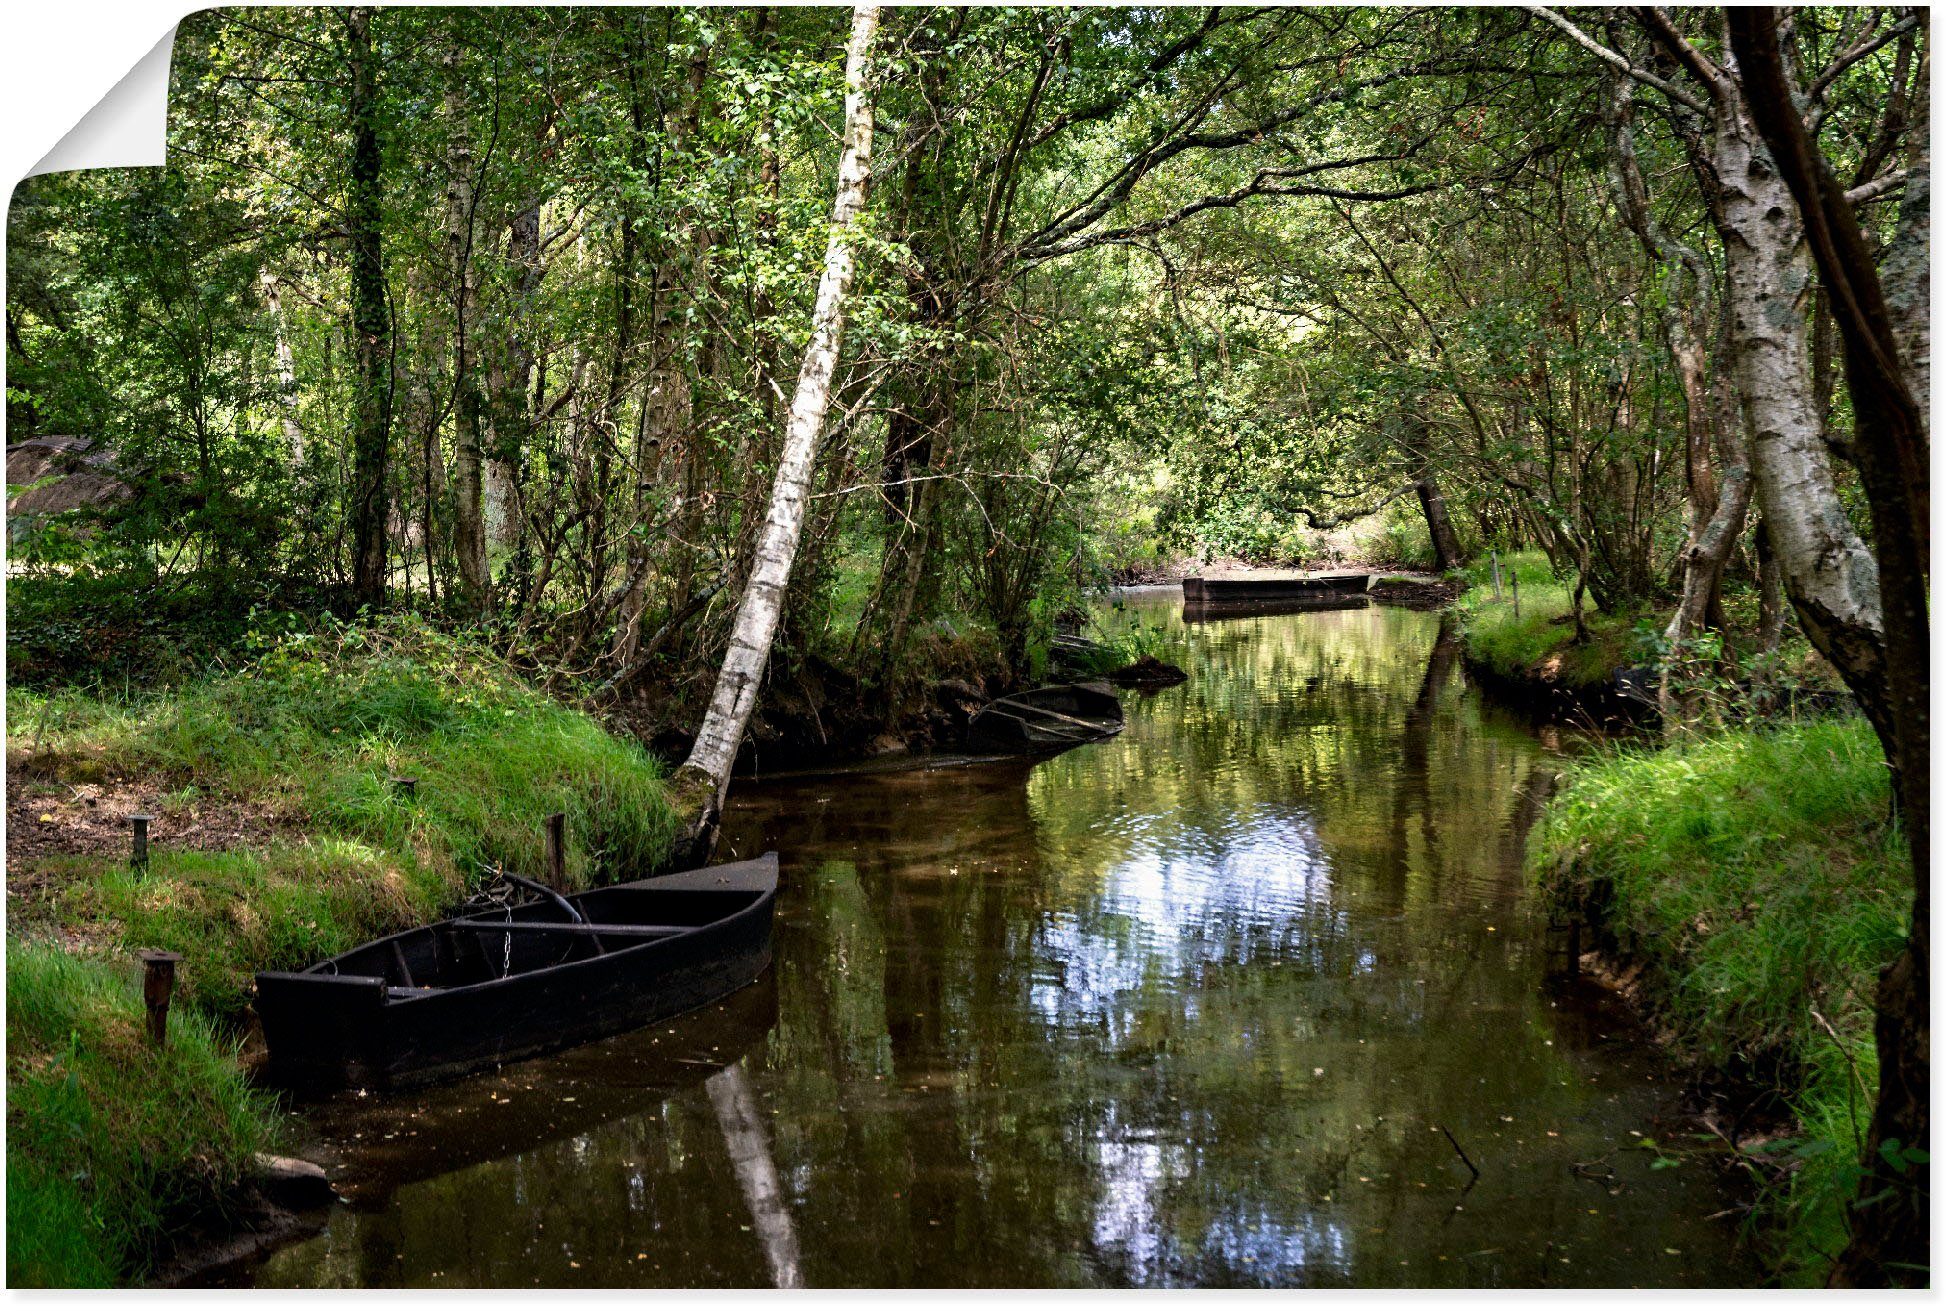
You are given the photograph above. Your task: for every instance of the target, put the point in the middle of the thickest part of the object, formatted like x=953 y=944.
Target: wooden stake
x=158 y=984
x=557 y=851
x=138 y=855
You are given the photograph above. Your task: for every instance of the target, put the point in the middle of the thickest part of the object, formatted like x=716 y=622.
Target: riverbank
x=1526 y=650
x=280 y=835
x=1749 y=888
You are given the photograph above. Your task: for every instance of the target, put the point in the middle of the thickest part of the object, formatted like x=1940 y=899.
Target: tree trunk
x=1907 y=269
x=1770 y=594
x=1891 y=1229
x=700 y=785
x=469 y=518
x=1716 y=510
x=1829 y=573
x=370 y=322
x=286 y=372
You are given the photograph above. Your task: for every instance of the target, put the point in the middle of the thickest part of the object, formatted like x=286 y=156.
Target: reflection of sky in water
x=1183 y=900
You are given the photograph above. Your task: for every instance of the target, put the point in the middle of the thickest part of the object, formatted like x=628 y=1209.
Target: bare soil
x=47 y=815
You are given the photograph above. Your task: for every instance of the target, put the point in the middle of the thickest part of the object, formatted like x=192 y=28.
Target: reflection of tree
x=749 y=1147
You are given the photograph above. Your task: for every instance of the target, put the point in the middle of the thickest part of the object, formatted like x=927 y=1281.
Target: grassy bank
x=279 y=837
x=1754 y=877
x=108 y=1139
x=1535 y=643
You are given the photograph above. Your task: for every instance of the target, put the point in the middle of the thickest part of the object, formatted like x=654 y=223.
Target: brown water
x=1220 y=1001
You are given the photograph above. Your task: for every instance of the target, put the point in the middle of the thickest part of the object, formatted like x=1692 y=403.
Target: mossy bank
x=280 y=836
x=1754 y=885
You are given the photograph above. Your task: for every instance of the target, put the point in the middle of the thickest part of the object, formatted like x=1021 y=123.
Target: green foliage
x=110 y=1141
x=1755 y=874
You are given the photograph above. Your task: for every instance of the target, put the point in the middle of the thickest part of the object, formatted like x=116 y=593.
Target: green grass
x=110 y=1141
x=1538 y=639
x=314 y=731
x=311 y=732
x=1121 y=640
x=1755 y=875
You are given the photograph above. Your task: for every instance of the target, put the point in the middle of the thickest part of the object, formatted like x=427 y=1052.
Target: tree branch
x=1614 y=58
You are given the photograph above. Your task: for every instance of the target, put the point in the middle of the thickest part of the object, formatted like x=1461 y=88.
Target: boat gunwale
x=764 y=895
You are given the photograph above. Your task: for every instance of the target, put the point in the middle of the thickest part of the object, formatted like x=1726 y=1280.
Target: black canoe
x=479 y=990
x=1046 y=719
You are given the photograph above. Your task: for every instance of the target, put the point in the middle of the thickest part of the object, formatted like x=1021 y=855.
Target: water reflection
x=1199 y=1004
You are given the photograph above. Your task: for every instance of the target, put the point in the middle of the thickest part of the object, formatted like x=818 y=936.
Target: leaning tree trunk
x=1828 y=571
x=370 y=321
x=699 y=786
x=1716 y=510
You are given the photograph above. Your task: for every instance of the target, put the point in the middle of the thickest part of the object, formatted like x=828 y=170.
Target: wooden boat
x=1051 y=718
x=1298 y=587
x=479 y=990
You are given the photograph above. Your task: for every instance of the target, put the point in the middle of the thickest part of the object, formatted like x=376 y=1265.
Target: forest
x=749 y=382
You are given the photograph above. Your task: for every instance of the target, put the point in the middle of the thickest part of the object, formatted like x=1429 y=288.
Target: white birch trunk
x=286 y=372
x=1907 y=270
x=1829 y=571
x=707 y=771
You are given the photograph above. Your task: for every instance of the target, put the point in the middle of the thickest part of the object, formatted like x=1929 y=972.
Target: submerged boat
x=480 y=990
x=1051 y=718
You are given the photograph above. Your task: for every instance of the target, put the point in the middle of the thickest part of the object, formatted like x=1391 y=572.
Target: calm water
x=1198 y=1005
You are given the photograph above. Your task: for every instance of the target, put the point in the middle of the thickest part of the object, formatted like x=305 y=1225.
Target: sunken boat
x=480 y=990
x=1046 y=719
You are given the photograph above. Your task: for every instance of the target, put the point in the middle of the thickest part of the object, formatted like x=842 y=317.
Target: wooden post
x=557 y=851
x=1496 y=575
x=158 y=984
x=138 y=855
x=1515 y=580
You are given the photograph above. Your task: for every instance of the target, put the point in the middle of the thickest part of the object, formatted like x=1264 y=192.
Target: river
x=1253 y=994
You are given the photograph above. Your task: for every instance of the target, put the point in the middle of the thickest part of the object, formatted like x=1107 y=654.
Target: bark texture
x=705 y=776
x=469 y=518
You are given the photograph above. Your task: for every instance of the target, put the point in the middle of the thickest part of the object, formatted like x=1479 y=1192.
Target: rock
x=1148 y=672
x=291 y=1182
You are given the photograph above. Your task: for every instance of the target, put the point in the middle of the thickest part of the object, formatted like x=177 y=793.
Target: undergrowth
x=1755 y=875
x=108 y=1140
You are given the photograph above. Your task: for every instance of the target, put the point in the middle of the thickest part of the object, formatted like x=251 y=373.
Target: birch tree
x=704 y=778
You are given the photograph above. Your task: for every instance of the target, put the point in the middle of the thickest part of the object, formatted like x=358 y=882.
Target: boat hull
x=357 y=1021
x=1046 y=719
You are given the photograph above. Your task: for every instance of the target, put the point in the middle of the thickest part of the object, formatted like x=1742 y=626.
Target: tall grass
x=109 y=1140
x=1756 y=875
